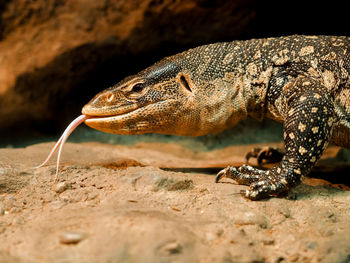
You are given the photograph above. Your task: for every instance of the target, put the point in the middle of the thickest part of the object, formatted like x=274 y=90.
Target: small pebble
x=311 y=245
x=209 y=236
x=61 y=187
x=285 y=211
x=219 y=232
x=69 y=238
x=15 y=209
x=18 y=220
x=268 y=242
x=5 y=171
x=176 y=209
x=57 y=204
x=293 y=258
x=172 y=248
x=250 y=218
x=2 y=210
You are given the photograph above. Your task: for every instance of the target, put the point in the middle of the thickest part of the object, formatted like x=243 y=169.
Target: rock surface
x=114 y=204
x=55 y=55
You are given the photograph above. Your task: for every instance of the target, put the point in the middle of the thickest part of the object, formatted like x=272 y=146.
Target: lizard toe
x=264 y=188
x=244 y=175
x=227 y=172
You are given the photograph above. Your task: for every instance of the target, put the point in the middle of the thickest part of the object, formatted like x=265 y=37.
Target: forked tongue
x=71 y=127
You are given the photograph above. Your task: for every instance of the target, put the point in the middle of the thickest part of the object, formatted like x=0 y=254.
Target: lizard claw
x=228 y=172
x=220 y=175
x=245 y=194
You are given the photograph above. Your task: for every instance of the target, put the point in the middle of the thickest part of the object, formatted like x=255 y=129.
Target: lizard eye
x=137 y=88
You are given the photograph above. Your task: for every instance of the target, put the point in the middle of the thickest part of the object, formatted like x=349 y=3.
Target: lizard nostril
x=110 y=97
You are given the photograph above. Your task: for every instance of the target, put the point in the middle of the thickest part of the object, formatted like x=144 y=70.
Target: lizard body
x=301 y=81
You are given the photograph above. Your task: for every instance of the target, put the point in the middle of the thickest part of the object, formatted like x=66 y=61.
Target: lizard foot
x=262 y=184
x=269 y=154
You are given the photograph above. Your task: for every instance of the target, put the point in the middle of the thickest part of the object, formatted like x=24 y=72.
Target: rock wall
x=56 y=54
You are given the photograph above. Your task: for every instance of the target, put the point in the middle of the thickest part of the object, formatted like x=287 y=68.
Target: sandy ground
x=115 y=204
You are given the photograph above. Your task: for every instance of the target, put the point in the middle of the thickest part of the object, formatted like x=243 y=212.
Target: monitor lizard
x=300 y=81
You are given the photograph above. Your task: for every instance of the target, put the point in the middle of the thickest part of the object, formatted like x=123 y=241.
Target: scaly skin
x=301 y=81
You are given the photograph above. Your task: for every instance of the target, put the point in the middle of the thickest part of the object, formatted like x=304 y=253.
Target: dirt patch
x=97 y=212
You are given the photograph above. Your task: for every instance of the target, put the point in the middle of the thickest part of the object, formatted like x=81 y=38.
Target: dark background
x=51 y=85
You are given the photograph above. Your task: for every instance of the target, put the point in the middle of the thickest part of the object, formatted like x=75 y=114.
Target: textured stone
x=59 y=51
x=61 y=187
x=71 y=237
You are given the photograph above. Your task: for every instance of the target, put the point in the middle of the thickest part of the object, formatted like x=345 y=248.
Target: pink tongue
x=71 y=127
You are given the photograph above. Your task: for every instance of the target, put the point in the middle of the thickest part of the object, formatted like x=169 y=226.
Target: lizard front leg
x=309 y=117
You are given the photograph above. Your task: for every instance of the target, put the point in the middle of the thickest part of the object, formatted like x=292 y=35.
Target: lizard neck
x=233 y=80
x=255 y=92
x=252 y=71
x=247 y=92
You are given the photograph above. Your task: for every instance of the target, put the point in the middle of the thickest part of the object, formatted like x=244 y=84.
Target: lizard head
x=156 y=100
x=186 y=94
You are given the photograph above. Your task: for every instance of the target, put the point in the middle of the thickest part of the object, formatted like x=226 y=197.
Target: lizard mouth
x=105 y=121
x=101 y=112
